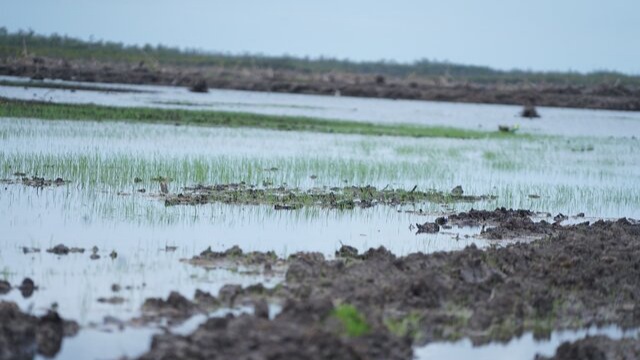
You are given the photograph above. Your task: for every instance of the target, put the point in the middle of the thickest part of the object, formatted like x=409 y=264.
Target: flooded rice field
x=104 y=187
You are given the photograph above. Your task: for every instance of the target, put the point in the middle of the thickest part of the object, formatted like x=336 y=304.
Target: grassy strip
x=72 y=87
x=51 y=111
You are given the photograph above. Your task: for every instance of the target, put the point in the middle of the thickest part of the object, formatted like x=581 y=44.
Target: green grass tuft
x=353 y=321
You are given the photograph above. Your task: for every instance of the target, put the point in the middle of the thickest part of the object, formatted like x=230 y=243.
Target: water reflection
x=525 y=347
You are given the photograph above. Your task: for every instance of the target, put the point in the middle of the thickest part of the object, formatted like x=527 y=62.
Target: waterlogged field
x=112 y=199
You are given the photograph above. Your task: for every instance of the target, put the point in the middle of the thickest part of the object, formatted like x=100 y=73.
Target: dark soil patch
x=35 y=181
x=30 y=250
x=530 y=112
x=234 y=258
x=597 y=96
x=62 y=249
x=283 y=198
x=113 y=300
x=597 y=348
x=200 y=86
x=254 y=337
x=5 y=287
x=22 y=336
x=576 y=276
x=27 y=287
x=478 y=218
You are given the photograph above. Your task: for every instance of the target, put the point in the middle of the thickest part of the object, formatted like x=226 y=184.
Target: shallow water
x=553 y=121
x=102 y=207
x=525 y=347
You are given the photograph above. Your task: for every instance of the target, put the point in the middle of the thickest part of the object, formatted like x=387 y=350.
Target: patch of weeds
x=405 y=326
x=353 y=321
x=282 y=198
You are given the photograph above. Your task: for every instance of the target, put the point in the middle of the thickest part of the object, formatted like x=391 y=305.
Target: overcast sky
x=582 y=35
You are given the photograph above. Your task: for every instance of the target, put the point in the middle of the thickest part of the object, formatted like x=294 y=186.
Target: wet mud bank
x=598 y=96
x=378 y=305
x=281 y=198
x=22 y=336
x=597 y=348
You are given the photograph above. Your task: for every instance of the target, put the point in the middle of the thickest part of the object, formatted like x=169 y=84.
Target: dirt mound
x=598 y=96
x=23 y=335
x=487 y=217
x=578 y=276
x=303 y=330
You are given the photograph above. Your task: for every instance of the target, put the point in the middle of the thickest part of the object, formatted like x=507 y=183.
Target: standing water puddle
x=525 y=347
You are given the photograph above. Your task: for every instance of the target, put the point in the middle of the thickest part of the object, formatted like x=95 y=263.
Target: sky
x=547 y=35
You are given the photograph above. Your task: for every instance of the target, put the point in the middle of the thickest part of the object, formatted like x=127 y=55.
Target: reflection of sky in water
x=526 y=347
x=554 y=121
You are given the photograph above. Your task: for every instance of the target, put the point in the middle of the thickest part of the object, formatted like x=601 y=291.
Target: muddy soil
x=34 y=181
x=281 y=198
x=599 y=96
x=246 y=262
x=576 y=276
x=62 y=249
x=597 y=348
x=303 y=330
x=22 y=336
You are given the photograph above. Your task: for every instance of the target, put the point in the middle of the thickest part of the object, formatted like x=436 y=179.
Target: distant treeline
x=23 y=43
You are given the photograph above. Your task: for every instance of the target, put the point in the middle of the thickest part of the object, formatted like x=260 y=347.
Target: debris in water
x=508 y=129
x=164 y=188
x=62 y=249
x=27 y=288
x=200 y=86
x=5 y=287
x=530 y=112
x=457 y=191
x=428 y=228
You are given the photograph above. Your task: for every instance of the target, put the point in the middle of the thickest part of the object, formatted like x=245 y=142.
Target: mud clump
x=529 y=112
x=303 y=330
x=34 y=181
x=199 y=86
x=22 y=336
x=518 y=227
x=27 y=287
x=235 y=258
x=597 y=348
x=113 y=300
x=485 y=217
x=5 y=287
x=62 y=249
x=176 y=306
x=30 y=250
x=428 y=228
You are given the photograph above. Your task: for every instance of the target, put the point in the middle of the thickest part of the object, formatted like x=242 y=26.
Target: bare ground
x=602 y=96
